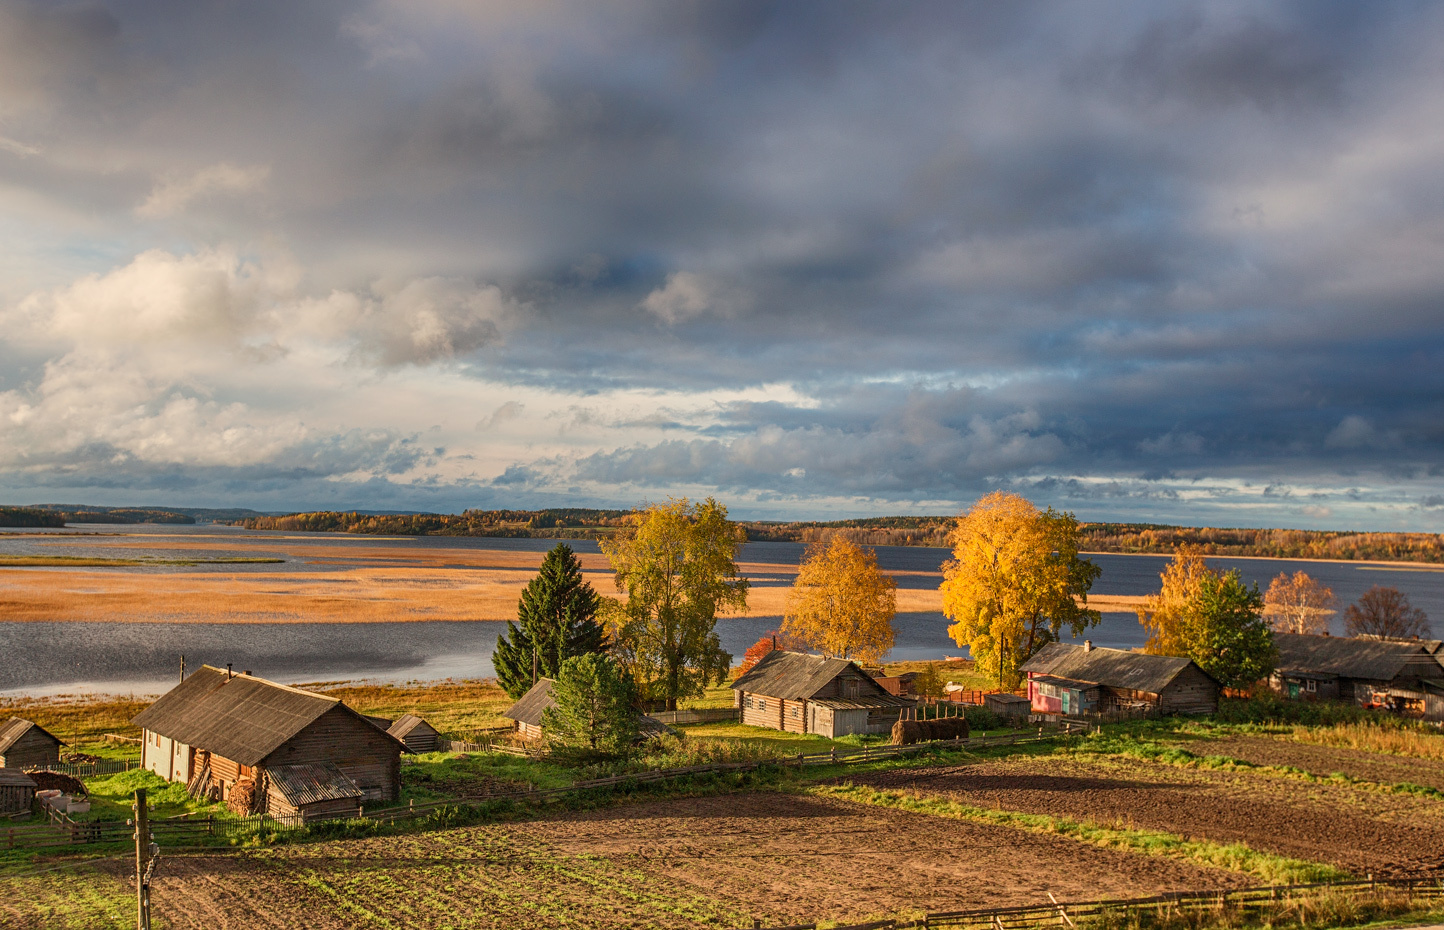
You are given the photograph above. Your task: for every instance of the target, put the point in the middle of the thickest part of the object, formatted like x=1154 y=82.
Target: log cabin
x=1068 y=679
x=215 y=730
x=17 y=792
x=527 y=712
x=1405 y=676
x=25 y=744
x=814 y=694
x=416 y=734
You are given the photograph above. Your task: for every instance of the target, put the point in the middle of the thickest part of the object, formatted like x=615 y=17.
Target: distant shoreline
x=1410 y=566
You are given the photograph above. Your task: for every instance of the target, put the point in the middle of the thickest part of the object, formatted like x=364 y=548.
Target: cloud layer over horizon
x=1171 y=263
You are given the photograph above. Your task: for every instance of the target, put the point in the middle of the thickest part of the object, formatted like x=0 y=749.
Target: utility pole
x=144 y=861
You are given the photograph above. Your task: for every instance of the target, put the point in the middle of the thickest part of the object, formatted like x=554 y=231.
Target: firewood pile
x=46 y=780
x=242 y=797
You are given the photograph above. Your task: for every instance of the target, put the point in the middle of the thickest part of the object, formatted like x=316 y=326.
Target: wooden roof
x=243 y=718
x=14 y=778
x=312 y=782
x=16 y=727
x=1369 y=659
x=1112 y=668
x=405 y=724
x=796 y=676
x=529 y=708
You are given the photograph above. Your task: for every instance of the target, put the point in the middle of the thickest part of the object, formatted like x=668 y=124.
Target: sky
x=1151 y=262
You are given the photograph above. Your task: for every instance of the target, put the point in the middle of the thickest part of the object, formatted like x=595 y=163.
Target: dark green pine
x=556 y=619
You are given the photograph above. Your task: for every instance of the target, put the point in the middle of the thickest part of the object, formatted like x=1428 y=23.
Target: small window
x=761 y=703
x=1313 y=686
x=796 y=712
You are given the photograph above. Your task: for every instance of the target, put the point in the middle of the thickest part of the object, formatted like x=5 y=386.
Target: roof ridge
x=274 y=684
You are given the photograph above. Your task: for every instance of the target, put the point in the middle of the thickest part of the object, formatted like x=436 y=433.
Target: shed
x=1007 y=705
x=26 y=744
x=1397 y=674
x=527 y=712
x=214 y=729
x=314 y=790
x=17 y=791
x=418 y=735
x=815 y=694
x=1068 y=679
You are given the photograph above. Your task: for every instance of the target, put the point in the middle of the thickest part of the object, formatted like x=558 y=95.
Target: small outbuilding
x=17 y=792
x=1068 y=679
x=527 y=712
x=815 y=694
x=418 y=735
x=1008 y=706
x=315 y=791
x=26 y=744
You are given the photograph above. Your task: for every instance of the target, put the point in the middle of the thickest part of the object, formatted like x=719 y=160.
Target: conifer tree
x=556 y=620
x=592 y=706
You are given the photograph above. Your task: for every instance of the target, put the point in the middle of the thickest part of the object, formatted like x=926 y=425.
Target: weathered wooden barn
x=814 y=694
x=25 y=744
x=17 y=792
x=1405 y=676
x=215 y=730
x=527 y=712
x=1006 y=705
x=1068 y=679
x=417 y=735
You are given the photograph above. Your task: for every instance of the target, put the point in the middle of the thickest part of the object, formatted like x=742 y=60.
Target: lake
x=46 y=658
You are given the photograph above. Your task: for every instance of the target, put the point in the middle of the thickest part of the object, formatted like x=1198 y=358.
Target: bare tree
x=1386 y=613
x=1298 y=604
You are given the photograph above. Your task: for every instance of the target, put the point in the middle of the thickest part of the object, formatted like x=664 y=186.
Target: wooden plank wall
x=370 y=757
x=34 y=748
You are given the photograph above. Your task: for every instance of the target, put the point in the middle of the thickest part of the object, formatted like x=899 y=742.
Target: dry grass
x=376 y=581
x=79 y=720
x=1369 y=737
x=455 y=708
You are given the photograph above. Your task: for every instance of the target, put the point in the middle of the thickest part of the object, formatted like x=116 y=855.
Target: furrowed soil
x=709 y=862
x=1326 y=760
x=1356 y=829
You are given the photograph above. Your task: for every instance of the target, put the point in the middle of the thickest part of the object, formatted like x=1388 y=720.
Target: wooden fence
x=1244 y=902
x=701 y=715
x=65 y=831
x=87 y=769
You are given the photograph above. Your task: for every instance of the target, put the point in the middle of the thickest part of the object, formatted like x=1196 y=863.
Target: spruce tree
x=592 y=707
x=556 y=620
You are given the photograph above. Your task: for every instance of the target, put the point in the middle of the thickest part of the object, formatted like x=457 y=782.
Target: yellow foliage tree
x=1168 y=615
x=677 y=565
x=1298 y=604
x=1015 y=580
x=842 y=604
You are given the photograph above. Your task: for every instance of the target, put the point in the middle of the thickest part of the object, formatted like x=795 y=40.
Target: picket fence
x=87 y=769
x=65 y=831
x=1244 y=902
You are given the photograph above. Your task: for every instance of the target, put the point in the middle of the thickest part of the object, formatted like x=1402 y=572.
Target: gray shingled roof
x=312 y=782
x=1112 y=668
x=14 y=778
x=16 y=727
x=796 y=676
x=1370 y=659
x=244 y=718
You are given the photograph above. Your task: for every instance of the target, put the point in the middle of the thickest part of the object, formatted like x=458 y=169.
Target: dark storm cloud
x=1099 y=251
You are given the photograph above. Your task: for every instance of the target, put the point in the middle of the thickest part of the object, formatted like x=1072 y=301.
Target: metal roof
x=1371 y=659
x=796 y=676
x=1112 y=668
x=405 y=724
x=14 y=778
x=243 y=718
x=16 y=727
x=312 y=782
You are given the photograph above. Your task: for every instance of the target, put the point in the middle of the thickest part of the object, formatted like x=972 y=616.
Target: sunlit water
x=144 y=658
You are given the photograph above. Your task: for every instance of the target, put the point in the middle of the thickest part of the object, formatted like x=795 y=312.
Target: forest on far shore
x=1162 y=539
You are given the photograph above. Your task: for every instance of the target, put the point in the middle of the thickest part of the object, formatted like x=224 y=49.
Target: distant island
x=58 y=515
x=1143 y=538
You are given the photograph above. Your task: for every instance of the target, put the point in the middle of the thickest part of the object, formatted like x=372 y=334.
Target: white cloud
x=687 y=295
x=174 y=195
x=1353 y=432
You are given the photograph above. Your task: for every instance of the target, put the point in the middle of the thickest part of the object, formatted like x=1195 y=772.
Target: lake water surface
x=39 y=658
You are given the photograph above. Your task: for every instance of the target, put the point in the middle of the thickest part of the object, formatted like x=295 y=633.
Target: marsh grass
x=1401 y=738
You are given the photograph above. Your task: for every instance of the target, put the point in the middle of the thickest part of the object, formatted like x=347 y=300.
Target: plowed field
x=1358 y=830
x=1326 y=760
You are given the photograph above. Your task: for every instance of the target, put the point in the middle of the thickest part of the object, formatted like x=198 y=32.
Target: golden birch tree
x=842 y=604
x=1015 y=580
x=1298 y=604
x=677 y=565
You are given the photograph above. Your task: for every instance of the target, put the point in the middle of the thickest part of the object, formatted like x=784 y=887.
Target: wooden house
x=527 y=712
x=1068 y=679
x=214 y=730
x=17 y=791
x=814 y=694
x=417 y=735
x=25 y=745
x=1401 y=675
